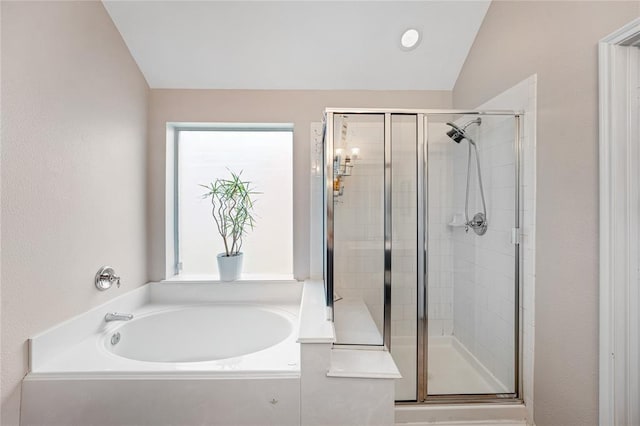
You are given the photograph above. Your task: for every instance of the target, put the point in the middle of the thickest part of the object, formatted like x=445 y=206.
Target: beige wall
x=257 y=106
x=74 y=115
x=1 y=134
x=558 y=41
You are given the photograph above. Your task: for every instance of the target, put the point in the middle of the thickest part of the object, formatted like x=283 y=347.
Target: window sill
x=245 y=278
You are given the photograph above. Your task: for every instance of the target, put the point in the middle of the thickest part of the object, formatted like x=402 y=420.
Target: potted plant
x=232 y=210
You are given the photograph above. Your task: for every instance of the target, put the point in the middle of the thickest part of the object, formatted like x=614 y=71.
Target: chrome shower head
x=457 y=134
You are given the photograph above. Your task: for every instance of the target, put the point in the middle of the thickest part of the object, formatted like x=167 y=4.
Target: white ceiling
x=298 y=44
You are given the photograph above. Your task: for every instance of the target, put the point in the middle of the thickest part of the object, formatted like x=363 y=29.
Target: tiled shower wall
x=359 y=219
x=404 y=293
x=440 y=209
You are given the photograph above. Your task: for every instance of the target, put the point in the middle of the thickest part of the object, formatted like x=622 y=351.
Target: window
x=263 y=155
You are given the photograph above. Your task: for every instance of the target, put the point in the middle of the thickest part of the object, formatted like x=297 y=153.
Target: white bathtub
x=191 y=351
x=201 y=333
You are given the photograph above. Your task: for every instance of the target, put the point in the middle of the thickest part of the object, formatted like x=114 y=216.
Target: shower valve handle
x=105 y=278
x=478 y=224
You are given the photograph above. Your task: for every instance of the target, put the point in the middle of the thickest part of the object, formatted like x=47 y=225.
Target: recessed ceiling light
x=410 y=39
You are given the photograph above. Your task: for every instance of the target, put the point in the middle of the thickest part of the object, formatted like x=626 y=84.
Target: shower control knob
x=105 y=278
x=479 y=223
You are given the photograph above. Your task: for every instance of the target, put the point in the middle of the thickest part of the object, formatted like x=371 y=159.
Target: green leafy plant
x=232 y=210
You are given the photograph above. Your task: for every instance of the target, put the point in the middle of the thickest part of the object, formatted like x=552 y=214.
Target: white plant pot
x=230 y=267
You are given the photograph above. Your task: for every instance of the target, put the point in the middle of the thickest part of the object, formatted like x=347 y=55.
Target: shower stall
x=422 y=247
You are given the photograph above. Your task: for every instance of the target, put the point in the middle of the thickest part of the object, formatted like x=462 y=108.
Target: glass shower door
x=472 y=256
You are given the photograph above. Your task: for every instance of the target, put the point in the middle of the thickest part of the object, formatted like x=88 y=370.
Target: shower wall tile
x=358 y=221
x=440 y=211
x=404 y=226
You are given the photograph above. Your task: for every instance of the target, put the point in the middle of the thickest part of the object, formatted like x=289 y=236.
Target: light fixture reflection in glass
x=355 y=152
x=342 y=167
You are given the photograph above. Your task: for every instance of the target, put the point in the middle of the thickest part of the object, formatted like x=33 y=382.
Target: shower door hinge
x=515 y=236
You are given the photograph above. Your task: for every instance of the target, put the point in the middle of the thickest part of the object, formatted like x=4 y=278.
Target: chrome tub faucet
x=115 y=316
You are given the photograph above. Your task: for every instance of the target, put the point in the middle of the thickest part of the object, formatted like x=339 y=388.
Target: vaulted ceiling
x=298 y=44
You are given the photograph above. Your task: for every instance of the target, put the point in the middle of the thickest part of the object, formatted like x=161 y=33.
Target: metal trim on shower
x=423 y=321
x=328 y=208
x=388 y=232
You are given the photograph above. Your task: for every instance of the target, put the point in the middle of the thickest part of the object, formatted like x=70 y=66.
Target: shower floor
x=451 y=369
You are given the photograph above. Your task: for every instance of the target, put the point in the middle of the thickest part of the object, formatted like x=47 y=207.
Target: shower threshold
x=507 y=414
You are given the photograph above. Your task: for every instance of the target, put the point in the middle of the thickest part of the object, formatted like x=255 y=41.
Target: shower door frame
x=422 y=122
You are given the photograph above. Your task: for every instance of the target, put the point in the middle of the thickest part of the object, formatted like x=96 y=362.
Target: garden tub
x=194 y=353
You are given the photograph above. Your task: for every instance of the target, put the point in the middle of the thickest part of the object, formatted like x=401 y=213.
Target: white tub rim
x=57 y=339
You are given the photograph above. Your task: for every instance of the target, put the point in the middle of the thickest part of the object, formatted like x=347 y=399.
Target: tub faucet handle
x=105 y=278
